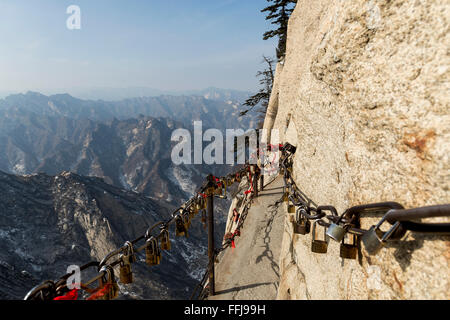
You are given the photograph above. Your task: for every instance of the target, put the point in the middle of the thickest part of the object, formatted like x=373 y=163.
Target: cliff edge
x=363 y=93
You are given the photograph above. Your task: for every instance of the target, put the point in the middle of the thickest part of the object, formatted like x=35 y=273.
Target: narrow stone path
x=251 y=271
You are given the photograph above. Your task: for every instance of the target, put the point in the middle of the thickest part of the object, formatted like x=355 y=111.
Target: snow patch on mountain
x=183 y=178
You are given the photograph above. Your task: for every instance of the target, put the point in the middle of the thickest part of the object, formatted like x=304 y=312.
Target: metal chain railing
x=337 y=227
x=307 y=213
x=155 y=240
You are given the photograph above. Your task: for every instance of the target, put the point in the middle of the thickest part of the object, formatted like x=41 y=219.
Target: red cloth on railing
x=251 y=184
x=71 y=295
x=100 y=293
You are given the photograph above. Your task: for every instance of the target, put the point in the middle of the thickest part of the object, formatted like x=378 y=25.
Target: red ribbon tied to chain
x=237 y=233
x=251 y=185
x=100 y=293
x=71 y=295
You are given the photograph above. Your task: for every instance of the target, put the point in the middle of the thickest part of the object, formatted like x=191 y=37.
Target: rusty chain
x=348 y=223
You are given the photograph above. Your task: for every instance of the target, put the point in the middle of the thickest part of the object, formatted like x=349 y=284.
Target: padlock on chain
x=319 y=246
x=126 y=259
x=374 y=239
x=199 y=204
x=291 y=207
x=224 y=191
x=289 y=170
x=285 y=196
x=165 y=240
x=108 y=281
x=125 y=272
x=336 y=231
x=180 y=227
x=349 y=250
x=289 y=148
x=152 y=252
x=192 y=212
x=301 y=224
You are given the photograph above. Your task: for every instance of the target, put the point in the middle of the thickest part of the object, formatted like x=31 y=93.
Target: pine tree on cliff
x=262 y=97
x=279 y=12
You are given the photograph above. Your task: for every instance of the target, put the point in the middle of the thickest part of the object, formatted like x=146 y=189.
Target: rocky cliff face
x=50 y=222
x=363 y=93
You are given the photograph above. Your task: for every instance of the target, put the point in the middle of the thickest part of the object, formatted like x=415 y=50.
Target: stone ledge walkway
x=251 y=270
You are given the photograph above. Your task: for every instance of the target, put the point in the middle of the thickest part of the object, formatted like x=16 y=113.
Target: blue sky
x=163 y=44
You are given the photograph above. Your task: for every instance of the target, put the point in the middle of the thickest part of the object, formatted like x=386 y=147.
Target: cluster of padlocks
x=345 y=229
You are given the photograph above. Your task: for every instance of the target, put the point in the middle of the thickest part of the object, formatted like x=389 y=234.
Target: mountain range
x=67 y=161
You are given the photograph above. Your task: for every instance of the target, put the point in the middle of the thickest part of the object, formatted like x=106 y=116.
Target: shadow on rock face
x=404 y=249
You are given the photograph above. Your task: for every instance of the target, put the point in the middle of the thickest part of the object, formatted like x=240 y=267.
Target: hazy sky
x=163 y=44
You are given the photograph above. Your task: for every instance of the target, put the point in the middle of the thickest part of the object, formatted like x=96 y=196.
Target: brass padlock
x=198 y=204
x=301 y=225
x=349 y=250
x=192 y=212
x=125 y=273
x=130 y=251
x=126 y=259
x=108 y=281
x=319 y=246
x=152 y=252
x=180 y=227
x=286 y=196
x=165 y=240
x=291 y=208
x=202 y=203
